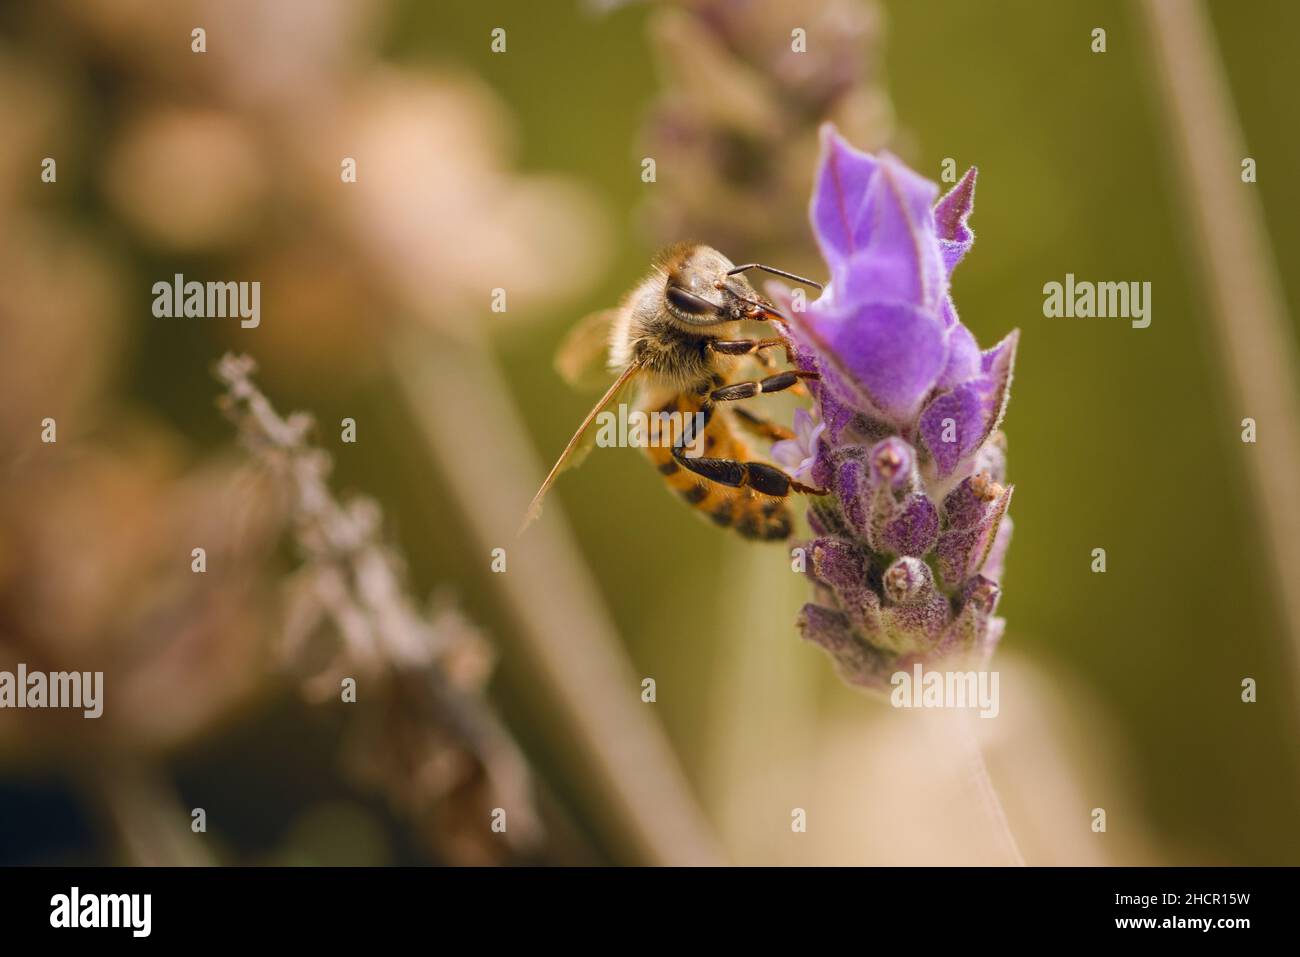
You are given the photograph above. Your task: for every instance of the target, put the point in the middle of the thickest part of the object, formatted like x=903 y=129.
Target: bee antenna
x=775 y=272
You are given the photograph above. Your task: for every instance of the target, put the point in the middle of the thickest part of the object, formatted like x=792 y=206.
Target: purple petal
x=893 y=353
x=956 y=423
x=1001 y=356
x=962 y=552
x=890 y=274
x=823 y=466
x=797 y=452
x=967 y=504
x=825 y=626
x=914 y=530
x=963 y=357
x=880 y=323
x=950 y=215
x=835 y=413
x=974 y=630
x=787 y=452
x=857 y=662
x=895 y=252
x=953 y=423
x=949 y=313
x=843 y=176
x=997 y=556
x=843 y=566
x=851 y=488
x=803 y=427
x=832 y=392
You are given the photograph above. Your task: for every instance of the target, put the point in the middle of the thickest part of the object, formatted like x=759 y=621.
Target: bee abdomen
x=765 y=519
x=754 y=516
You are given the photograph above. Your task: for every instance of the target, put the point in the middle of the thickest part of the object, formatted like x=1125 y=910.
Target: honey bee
x=676 y=337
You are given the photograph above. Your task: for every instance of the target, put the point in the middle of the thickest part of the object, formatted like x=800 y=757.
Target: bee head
x=699 y=292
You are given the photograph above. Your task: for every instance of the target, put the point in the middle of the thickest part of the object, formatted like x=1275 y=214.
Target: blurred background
x=521 y=689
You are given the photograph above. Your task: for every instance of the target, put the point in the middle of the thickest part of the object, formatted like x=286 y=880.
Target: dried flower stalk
x=428 y=736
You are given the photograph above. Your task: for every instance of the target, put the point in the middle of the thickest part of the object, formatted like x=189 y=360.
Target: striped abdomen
x=752 y=514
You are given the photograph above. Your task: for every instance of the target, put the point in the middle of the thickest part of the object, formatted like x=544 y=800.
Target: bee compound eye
x=688 y=302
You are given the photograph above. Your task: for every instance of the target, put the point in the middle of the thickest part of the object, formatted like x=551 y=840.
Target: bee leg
x=770 y=365
x=761 y=477
x=761 y=427
x=747 y=390
x=743 y=347
x=756 y=347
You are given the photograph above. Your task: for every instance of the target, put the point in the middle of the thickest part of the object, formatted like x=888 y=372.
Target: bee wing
x=579 y=445
x=580 y=360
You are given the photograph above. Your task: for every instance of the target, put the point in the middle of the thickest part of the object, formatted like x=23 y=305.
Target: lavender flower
x=799 y=454
x=910 y=541
x=424 y=732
